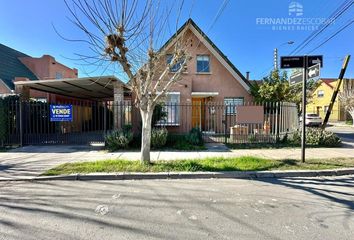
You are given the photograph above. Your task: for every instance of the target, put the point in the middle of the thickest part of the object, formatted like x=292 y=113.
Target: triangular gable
x=190 y=24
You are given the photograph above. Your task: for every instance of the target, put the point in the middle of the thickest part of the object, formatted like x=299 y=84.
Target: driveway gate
x=30 y=123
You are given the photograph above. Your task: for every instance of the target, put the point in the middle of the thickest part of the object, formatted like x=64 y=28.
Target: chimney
x=248 y=75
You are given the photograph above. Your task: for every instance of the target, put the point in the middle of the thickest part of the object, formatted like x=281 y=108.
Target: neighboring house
x=321 y=98
x=17 y=66
x=209 y=77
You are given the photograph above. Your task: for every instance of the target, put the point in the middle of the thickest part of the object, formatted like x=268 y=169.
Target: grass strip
x=246 y=163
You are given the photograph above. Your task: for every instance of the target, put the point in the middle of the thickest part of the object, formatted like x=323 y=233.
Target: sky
x=243 y=31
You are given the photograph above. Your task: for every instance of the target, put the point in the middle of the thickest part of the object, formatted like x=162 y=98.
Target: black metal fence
x=219 y=122
x=29 y=123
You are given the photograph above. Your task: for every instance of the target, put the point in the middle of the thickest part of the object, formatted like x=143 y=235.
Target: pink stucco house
x=209 y=83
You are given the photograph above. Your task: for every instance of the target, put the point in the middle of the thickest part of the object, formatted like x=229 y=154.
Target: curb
x=189 y=175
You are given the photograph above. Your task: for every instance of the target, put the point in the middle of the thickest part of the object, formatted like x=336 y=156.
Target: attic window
x=320 y=93
x=175 y=67
x=58 y=75
x=203 y=64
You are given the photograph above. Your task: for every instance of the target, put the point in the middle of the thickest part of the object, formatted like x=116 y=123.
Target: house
x=321 y=98
x=18 y=66
x=209 y=82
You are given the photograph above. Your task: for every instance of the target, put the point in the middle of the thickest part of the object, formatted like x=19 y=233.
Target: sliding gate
x=31 y=123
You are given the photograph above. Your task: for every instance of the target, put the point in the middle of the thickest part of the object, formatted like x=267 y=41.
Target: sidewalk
x=31 y=161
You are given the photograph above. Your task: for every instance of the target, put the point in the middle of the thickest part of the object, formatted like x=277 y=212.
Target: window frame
x=322 y=95
x=228 y=108
x=209 y=65
x=171 y=107
x=58 y=74
x=174 y=68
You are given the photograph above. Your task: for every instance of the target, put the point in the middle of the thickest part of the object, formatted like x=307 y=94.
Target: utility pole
x=335 y=93
x=275 y=56
x=303 y=123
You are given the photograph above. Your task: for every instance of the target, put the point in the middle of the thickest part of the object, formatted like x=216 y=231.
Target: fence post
x=276 y=122
x=225 y=125
x=21 y=123
x=105 y=117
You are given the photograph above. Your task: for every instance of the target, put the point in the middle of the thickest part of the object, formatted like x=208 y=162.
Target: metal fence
x=219 y=122
x=29 y=123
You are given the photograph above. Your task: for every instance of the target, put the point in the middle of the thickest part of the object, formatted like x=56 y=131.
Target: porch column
x=118 y=105
x=23 y=91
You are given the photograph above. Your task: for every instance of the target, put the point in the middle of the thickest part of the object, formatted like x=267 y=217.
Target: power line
x=333 y=35
x=335 y=15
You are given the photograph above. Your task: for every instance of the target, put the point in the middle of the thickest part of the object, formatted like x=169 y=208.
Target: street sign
x=315 y=59
x=314 y=71
x=292 y=62
x=295 y=78
x=298 y=61
x=311 y=68
x=61 y=113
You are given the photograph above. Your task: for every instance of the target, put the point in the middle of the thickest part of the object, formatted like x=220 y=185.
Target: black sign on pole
x=298 y=61
x=315 y=59
x=292 y=62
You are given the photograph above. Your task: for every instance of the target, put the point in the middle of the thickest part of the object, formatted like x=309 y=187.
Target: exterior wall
x=4 y=88
x=46 y=67
x=219 y=79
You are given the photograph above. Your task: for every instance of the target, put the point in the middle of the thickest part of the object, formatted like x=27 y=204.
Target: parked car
x=312 y=119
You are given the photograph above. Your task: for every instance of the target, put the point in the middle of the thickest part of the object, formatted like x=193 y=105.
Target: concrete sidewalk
x=31 y=161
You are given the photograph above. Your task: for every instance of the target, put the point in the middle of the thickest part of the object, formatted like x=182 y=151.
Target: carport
x=98 y=104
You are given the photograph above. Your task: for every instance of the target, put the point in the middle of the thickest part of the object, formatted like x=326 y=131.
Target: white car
x=312 y=119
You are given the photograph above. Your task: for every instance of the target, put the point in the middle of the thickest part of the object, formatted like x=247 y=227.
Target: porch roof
x=204 y=94
x=94 y=88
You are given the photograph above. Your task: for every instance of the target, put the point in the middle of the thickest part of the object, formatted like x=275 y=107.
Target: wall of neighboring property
x=46 y=67
x=320 y=103
x=4 y=89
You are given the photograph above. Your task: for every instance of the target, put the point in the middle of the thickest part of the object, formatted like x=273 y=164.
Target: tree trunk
x=146 y=117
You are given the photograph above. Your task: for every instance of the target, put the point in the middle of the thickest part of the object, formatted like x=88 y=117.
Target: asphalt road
x=346 y=133
x=303 y=208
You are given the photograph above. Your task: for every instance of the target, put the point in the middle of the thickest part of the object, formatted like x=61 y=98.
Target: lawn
x=207 y=164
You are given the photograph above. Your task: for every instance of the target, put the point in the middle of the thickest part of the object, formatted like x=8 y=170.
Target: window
x=320 y=93
x=58 y=75
x=231 y=103
x=172 y=108
x=175 y=67
x=203 y=64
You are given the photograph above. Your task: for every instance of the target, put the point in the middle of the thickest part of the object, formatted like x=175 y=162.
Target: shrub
x=317 y=137
x=195 y=137
x=158 y=137
x=118 y=139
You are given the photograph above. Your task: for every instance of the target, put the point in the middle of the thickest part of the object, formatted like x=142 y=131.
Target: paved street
x=303 y=208
x=345 y=132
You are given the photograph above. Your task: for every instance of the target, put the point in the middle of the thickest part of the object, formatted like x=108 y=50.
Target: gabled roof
x=212 y=48
x=328 y=81
x=11 y=66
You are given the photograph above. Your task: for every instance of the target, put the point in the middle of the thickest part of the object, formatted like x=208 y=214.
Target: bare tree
x=127 y=33
x=346 y=98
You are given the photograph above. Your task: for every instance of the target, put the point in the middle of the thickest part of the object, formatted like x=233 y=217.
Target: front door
x=198 y=113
